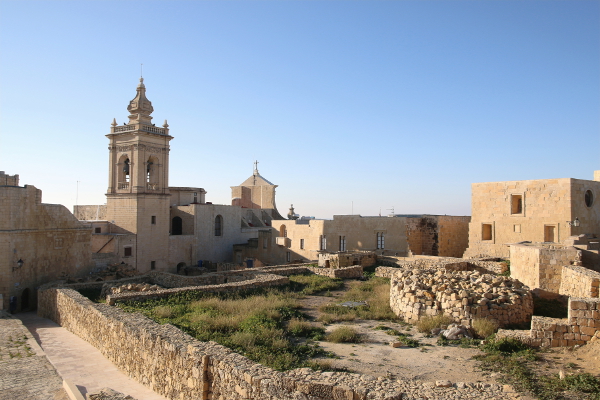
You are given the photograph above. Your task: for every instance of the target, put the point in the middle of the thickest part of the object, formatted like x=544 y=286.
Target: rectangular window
x=152 y=264
x=288 y=256
x=265 y=243
x=127 y=251
x=98 y=230
x=516 y=204
x=380 y=240
x=323 y=244
x=302 y=244
x=549 y=231
x=517 y=228
x=342 y=243
x=486 y=231
x=154 y=220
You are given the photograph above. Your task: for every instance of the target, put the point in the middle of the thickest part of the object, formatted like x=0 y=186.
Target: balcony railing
x=123 y=185
x=153 y=186
x=146 y=128
x=124 y=128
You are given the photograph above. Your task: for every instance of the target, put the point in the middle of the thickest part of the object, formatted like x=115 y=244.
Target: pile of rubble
x=462 y=295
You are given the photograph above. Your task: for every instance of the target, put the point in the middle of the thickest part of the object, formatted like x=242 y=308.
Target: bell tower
x=138 y=184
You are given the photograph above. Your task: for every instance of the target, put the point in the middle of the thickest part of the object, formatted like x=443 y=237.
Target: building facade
x=545 y=210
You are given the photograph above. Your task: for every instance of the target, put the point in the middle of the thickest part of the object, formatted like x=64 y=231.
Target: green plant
x=429 y=322
x=484 y=327
x=344 y=334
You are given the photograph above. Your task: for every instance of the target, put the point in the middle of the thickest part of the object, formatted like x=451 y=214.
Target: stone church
x=153 y=226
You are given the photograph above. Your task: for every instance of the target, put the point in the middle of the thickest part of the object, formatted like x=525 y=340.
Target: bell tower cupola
x=140 y=107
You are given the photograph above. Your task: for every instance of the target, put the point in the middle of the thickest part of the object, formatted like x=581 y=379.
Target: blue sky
x=378 y=104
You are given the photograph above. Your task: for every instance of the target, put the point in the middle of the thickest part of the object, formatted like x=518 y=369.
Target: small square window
x=97 y=230
x=154 y=220
x=127 y=251
x=152 y=264
x=517 y=228
x=486 y=231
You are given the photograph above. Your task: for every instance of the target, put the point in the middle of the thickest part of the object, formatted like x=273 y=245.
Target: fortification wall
x=483 y=265
x=578 y=281
x=177 y=366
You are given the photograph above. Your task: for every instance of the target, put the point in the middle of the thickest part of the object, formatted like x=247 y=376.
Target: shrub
x=429 y=322
x=484 y=327
x=506 y=346
x=344 y=334
x=310 y=284
x=163 y=312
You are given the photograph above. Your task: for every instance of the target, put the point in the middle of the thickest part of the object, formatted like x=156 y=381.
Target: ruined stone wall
x=578 y=281
x=355 y=271
x=462 y=295
x=8 y=180
x=453 y=237
x=90 y=213
x=347 y=259
x=540 y=266
x=582 y=324
x=484 y=265
x=177 y=366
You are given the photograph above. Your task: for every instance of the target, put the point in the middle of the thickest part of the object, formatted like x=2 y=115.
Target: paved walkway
x=25 y=372
x=81 y=363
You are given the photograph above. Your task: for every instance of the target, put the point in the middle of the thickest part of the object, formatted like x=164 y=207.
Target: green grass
x=375 y=291
x=516 y=362
x=311 y=284
x=344 y=334
x=264 y=325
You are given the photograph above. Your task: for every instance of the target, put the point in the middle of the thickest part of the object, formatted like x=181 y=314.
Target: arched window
x=283 y=231
x=152 y=170
x=124 y=172
x=218 y=225
x=176 y=226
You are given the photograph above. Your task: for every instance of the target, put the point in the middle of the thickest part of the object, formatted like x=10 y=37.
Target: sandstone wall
x=582 y=324
x=484 y=265
x=90 y=213
x=578 y=281
x=462 y=295
x=540 y=266
x=177 y=366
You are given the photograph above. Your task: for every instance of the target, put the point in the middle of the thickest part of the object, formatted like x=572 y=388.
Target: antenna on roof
x=141 y=70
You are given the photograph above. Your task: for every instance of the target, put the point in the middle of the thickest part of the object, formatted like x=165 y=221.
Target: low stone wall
x=177 y=366
x=462 y=295
x=355 y=271
x=251 y=281
x=578 y=281
x=483 y=265
x=582 y=324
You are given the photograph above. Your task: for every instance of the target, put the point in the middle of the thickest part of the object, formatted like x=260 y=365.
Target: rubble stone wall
x=582 y=324
x=462 y=295
x=483 y=265
x=177 y=366
x=578 y=281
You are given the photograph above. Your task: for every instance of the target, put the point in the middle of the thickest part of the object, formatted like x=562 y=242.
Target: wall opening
x=516 y=204
x=25 y=299
x=218 y=225
x=589 y=198
x=486 y=231
x=283 y=231
x=127 y=251
x=180 y=266
x=176 y=226
x=549 y=233
x=97 y=230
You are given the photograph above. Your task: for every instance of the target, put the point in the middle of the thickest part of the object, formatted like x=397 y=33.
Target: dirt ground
x=431 y=362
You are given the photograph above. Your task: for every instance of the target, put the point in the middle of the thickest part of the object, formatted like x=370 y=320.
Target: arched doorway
x=25 y=297
x=180 y=266
x=176 y=226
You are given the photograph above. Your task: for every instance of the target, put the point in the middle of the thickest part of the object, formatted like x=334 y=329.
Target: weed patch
x=429 y=322
x=344 y=334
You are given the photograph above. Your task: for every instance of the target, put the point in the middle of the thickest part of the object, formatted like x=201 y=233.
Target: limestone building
x=300 y=240
x=545 y=210
x=38 y=243
x=152 y=226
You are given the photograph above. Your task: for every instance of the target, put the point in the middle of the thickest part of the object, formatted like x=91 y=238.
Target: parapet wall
x=461 y=295
x=578 y=281
x=177 y=366
x=483 y=265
